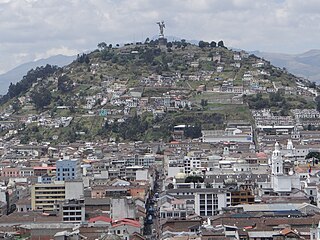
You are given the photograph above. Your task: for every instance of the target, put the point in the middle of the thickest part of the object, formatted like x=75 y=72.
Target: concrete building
x=73 y=210
x=123 y=208
x=210 y=201
x=68 y=169
x=45 y=196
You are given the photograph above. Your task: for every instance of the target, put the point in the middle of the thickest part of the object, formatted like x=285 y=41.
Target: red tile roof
x=100 y=219
x=126 y=221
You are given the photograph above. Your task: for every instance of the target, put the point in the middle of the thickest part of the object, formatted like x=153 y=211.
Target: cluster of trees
x=212 y=44
x=276 y=100
x=194 y=179
x=32 y=76
x=102 y=46
x=41 y=97
x=65 y=84
x=315 y=156
x=83 y=58
x=132 y=129
x=193 y=131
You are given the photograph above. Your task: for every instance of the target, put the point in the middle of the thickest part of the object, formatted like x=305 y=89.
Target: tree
x=169 y=45
x=203 y=44
x=184 y=43
x=220 y=43
x=194 y=180
x=16 y=106
x=213 y=44
x=65 y=84
x=315 y=157
x=102 y=45
x=41 y=98
x=193 y=131
x=83 y=58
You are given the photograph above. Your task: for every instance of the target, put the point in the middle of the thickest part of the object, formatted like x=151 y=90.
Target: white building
x=209 y=201
x=281 y=182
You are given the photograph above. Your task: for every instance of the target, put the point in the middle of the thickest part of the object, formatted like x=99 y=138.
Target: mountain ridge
x=306 y=65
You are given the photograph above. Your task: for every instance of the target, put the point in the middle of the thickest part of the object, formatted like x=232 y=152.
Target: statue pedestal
x=162 y=41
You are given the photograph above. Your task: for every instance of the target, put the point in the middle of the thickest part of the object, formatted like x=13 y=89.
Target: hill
x=141 y=91
x=306 y=65
x=16 y=74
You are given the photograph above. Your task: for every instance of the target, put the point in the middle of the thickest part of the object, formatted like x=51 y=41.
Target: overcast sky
x=33 y=29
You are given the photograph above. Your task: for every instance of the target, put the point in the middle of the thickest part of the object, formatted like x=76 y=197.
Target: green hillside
x=140 y=91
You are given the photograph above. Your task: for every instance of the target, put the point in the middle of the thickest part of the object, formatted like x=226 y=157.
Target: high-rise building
x=68 y=169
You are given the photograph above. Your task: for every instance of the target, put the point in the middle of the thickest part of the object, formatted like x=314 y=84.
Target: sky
x=34 y=29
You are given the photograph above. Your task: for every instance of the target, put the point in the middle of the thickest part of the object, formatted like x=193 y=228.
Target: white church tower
x=281 y=182
x=276 y=161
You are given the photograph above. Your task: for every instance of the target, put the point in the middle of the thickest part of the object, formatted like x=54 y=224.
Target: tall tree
x=315 y=157
x=213 y=44
x=220 y=43
x=102 y=45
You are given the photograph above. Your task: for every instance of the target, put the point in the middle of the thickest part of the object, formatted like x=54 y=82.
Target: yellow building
x=44 y=196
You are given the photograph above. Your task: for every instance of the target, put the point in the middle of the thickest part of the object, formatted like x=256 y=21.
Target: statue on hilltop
x=161 y=26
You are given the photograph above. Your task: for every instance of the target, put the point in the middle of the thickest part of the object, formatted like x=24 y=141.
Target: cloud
x=38 y=28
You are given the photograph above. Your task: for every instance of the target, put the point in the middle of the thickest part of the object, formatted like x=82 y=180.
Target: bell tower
x=276 y=161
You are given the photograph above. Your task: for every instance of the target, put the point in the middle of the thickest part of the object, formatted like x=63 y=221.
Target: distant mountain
x=306 y=65
x=16 y=74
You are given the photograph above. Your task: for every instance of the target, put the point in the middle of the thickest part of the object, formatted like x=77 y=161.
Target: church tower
x=295 y=134
x=276 y=161
x=290 y=145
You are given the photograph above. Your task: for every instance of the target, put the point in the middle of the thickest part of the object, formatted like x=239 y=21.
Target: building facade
x=68 y=169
